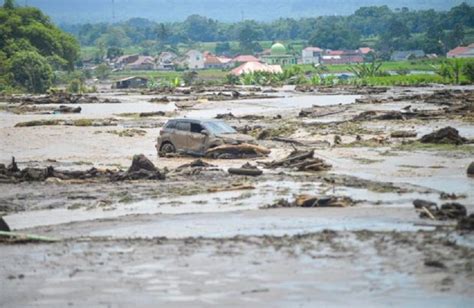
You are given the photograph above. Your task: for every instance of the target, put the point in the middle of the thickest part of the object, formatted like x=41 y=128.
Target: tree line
x=377 y=26
x=31 y=48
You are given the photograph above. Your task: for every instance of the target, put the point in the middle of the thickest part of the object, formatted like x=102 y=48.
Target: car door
x=180 y=136
x=196 y=140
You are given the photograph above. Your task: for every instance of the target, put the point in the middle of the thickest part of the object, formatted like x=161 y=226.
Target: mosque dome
x=278 y=49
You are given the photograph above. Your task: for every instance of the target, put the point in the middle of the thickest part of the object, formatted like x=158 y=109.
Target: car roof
x=193 y=120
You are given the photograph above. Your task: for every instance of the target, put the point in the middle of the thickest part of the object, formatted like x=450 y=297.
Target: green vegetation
x=31 y=47
x=379 y=27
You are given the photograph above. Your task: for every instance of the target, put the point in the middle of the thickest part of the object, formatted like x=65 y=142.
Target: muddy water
x=272 y=106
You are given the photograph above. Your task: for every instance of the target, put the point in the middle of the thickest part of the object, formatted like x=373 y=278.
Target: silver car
x=195 y=137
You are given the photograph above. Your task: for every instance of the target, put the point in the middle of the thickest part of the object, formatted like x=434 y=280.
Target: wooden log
x=245 y=171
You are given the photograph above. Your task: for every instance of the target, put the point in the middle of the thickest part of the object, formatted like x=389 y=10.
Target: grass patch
x=83 y=122
x=418 y=146
x=38 y=123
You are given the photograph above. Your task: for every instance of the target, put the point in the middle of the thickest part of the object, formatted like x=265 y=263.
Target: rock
x=419 y=204
x=337 y=139
x=152 y=114
x=140 y=162
x=453 y=210
x=66 y=109
x=435 y=263
x=470 y=169
x=446 y=135
x=3 y=225
x=466 y=223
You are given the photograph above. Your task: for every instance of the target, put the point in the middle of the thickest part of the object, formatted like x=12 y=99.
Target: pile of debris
x=230 y=116
x=301 y=161
x=59 y=98
x=450 y=97
x=67 y=109
x=141 y=169
x=313 y=201
x=234 y=151
x=447 y=211
x=447 y=135
x=194 y=168
x=321 y=111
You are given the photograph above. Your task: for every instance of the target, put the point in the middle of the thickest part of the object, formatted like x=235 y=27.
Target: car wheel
x=166 y=148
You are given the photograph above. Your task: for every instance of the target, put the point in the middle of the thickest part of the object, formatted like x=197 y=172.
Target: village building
x=461 y=52
x=131 y=82
x=407 y=55
x=120 y=62
x=142 y=63
x=194 y=59
x=241 y=59
x=279 y=56
x=166 y=61
x=214 y=62
x=252 y=67
x=341 y=57
x=311 y=55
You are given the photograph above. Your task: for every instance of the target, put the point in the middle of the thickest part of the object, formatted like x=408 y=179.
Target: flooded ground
x=193 y=239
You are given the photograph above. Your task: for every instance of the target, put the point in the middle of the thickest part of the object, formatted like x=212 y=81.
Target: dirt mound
x=446 y=135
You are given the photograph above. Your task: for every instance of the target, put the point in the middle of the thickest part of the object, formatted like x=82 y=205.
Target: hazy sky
x=74 y=11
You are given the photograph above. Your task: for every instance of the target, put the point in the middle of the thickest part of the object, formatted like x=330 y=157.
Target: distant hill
x=80 y=11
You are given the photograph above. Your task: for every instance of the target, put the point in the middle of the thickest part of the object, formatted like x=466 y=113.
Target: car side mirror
x=205 y=132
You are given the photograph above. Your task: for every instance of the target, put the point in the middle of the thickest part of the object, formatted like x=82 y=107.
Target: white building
x=311 y=55
x=194 y=59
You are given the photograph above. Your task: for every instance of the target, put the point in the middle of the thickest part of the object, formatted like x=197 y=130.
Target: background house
x=461 y=52
x=407 y=55
x=166 y=60
x=142 y=63
x=311 y=55
x=131 y=82
x=194 y=59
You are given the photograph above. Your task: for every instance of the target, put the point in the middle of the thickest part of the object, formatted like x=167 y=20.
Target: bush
x=468 y=71
x=31 y=71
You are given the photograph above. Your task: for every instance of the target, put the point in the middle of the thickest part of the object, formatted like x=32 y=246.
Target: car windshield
x=216 y=127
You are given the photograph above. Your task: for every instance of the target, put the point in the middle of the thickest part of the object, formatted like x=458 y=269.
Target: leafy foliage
x=31 y=46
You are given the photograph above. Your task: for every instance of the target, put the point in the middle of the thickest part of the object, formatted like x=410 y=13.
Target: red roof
x=336 y=52
x=314 y=49
x=365 y=50
x=457 y=51
x=245 y=58
x=211 y=59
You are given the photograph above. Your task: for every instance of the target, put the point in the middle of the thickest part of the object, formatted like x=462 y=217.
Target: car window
x=196 y=128
x=171 y=125
x=217 y=127
x=184 y=126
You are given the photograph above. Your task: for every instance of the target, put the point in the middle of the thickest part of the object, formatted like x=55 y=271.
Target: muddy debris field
x=361 y=195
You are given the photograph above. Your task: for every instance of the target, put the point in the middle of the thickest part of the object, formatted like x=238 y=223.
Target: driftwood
x=231 y=188
x=22 y=237
x=302 y=161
